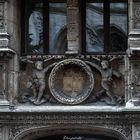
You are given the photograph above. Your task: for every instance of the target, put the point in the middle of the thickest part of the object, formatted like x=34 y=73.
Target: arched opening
x=118 y=38
x=77 y=137
x=74 y=132
x=61 y=42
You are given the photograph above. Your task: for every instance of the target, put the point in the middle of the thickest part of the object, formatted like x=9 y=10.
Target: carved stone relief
x=136 y=132
x=1 y=15
x=108 y=82
x=37 y=82
x=134 y=83
x=45 y=125
x=4 y=36
x=136 y=15
x=136 y=78
x=71 y=81
x=3 y=84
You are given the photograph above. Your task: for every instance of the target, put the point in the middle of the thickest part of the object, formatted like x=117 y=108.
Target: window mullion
x=106 y=26
x=46 y=26
x=83 y=25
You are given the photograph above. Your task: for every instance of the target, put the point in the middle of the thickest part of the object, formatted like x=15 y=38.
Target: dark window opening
x=104 y=26
x=43 y=21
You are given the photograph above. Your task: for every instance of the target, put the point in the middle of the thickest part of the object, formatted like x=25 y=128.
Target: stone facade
x=68 y=98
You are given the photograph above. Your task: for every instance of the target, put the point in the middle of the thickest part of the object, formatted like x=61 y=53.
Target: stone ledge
x=70 y=109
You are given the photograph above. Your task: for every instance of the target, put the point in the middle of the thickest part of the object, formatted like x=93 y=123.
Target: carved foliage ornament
x=71 y=81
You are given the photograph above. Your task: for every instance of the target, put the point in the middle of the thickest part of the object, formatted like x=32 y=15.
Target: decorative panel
x=97 y=81
x=136 y=15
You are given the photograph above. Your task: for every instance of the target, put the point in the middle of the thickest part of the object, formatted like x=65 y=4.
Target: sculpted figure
x=106 y=83
x=37 y=84
x=107 y=74
x=38 y=81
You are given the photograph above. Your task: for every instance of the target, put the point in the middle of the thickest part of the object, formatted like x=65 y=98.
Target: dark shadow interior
x=77 y=137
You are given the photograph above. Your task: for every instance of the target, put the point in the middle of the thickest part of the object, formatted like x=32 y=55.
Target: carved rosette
x=71 y=81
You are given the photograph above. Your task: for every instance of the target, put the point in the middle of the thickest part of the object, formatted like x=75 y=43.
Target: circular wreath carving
x=71 y=81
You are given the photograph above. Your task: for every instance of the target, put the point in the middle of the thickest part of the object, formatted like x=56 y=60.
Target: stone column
x=134 y=26
x=134 y=54
x=72 y=26
x=12 y=27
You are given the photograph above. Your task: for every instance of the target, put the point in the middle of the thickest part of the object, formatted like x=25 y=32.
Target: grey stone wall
x=21 y=121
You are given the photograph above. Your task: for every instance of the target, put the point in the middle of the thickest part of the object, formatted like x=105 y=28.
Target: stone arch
x=44 y=131
x=61 y=41
x=118 y=37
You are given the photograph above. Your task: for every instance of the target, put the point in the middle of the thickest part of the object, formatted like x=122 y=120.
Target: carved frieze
x=71 y=81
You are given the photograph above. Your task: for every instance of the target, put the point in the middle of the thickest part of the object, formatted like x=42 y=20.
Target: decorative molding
x=31 y=132
x=63 y=123
x=82 y=57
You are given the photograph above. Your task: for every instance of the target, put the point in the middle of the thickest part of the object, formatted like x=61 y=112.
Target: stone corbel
x=5 y=51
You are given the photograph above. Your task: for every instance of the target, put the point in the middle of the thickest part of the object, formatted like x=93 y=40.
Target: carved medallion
x=71 y=81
